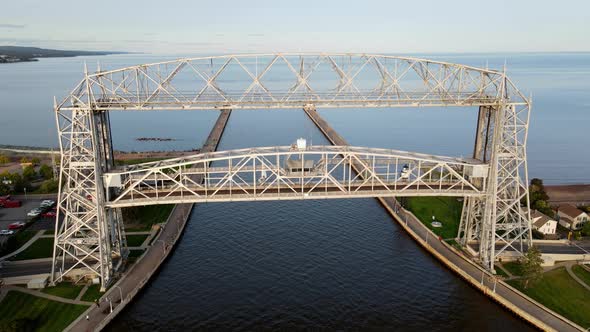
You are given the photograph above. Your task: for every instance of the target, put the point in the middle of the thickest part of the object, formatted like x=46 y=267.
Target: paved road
x=17 y=270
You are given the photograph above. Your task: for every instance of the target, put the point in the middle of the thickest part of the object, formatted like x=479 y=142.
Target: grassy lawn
x=562 y=294
x=136 y=240
x=136 y=161
x=92 y=293
x=447 y=210
x=500 y=272
x=42 y=248
x=513 y=267
x=135 y=253
x=16 y=241
x=24 y=312
x=143 y=217
x=64 y=289
x=581 y=273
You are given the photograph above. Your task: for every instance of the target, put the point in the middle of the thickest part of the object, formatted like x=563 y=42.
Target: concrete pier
x=123 y=292
x=520 y=304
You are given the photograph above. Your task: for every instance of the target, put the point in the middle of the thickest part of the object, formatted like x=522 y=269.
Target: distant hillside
x=9 y=54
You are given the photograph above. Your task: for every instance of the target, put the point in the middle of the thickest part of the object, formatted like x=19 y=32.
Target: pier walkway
x=142 y=270
x=489 y=284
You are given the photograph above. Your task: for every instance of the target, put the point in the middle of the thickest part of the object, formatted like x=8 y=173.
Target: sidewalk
x=133 y=280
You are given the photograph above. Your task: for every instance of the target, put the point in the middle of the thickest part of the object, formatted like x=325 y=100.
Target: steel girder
x=285 y=80
x=88 y=234
x=289 y=172
x=91 y=235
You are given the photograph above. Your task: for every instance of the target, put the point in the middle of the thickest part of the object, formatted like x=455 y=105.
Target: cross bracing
x=496 y=213
x=285 y=80
x=287 y=172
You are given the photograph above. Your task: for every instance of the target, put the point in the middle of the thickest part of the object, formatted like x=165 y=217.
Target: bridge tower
x=89 y=234
x=501 y=220
x=89 y=239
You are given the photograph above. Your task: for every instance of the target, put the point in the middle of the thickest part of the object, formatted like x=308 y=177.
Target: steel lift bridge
x=93 y=191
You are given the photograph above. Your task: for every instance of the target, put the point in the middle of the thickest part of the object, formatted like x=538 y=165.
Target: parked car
x=35 y=212
x=6 y=232
x=47 y=203
x=8 y=202
x=49 y=214
x=17 y=225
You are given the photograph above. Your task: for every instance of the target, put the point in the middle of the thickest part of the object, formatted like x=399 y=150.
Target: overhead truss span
x=92 y=191
x=285 y=80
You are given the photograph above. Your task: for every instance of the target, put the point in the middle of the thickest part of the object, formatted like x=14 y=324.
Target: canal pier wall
x=489 y=284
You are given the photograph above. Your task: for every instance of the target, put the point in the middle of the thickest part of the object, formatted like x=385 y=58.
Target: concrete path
x=575 y=277
x=44 y=295
x=510 y=275
x=24 y=246
x=139 y=274
x=82 y=291
x=455 y=260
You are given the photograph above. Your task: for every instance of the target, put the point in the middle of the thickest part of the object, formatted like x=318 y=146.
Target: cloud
x=12 y=26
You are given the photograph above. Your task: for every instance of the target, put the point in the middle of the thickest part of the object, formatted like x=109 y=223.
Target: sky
x=233 y=26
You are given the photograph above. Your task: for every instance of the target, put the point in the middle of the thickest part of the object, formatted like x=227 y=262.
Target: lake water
x=334 y=264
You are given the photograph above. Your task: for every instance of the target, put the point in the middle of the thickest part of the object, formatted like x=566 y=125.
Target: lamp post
x=120 y=293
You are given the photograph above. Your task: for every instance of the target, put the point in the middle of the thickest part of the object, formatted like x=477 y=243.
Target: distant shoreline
x=17 y=54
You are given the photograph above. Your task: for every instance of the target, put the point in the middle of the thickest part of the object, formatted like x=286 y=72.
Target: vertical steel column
x=506 y=223
x=88 y=236
x=472 y=213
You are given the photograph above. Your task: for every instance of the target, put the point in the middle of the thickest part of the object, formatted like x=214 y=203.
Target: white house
x=543 y=223
x=571 y=217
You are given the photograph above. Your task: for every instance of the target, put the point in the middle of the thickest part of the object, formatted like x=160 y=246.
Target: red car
x=7 y=202
x=49 y=214
x=16 y=225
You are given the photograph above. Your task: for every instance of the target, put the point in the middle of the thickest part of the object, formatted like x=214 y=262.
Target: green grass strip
x=64 y=289
x=42 y=248
x=581 y=273
x=560 y=293
x=25 y=312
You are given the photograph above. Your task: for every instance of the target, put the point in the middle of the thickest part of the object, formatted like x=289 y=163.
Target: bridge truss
x=291 y=172
x=91 y=232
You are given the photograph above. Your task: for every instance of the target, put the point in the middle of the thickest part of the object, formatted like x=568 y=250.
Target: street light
x=163 y=247
x=120 y=293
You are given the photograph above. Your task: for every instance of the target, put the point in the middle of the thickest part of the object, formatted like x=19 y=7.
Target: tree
x=4 y=159
x=36 y=161
x=4 y=188
x=532 y=270
x=29 y=173
x=20 y=183
x=24 y=160
x=539 y=198
x=49 y=186
x=46 y=171
x=586 y=229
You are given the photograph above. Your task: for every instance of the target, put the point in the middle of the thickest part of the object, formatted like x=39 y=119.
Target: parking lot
x=11 y=215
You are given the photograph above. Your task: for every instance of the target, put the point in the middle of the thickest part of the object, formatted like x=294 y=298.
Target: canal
x=326 y=264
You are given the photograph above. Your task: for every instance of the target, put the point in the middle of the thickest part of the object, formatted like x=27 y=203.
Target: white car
x=34 y=212
x=6 y=232
x=47 y=203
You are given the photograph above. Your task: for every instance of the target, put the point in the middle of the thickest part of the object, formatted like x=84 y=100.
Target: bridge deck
x=294 y=192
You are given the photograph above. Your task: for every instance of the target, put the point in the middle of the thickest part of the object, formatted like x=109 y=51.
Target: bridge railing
x=291 y=173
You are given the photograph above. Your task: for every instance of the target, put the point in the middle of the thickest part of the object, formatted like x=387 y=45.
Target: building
x=543 y=223
x=571 y=217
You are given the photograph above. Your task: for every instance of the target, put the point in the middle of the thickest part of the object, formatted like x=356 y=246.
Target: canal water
x=328 y=264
